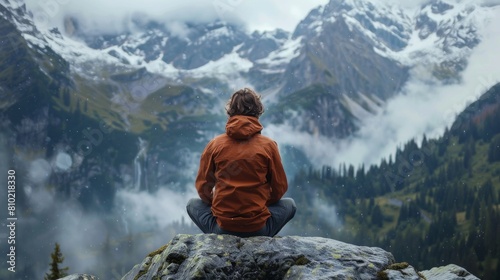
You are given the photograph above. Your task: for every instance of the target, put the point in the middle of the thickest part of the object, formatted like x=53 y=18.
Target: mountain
x=360 y=52
x=441 y=196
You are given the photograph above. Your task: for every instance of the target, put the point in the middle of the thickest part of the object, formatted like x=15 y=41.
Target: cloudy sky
x=115 y=15
x=110 y=15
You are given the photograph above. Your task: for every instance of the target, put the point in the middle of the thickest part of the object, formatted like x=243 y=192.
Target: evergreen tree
x=56 y=272
x=66 y=98
x=424 y=141
x=377 y=217
x=467 y=160
x=494 y=149
x=431 y=162
x=371 y=204
x=350 y=172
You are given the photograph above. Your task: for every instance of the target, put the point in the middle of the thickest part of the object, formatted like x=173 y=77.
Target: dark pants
x=281 y=212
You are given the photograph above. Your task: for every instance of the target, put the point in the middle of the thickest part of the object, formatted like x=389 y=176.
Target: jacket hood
x=242 y=127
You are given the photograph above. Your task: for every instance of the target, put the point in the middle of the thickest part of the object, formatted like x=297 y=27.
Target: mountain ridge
x=390 y=51
x=355 y=48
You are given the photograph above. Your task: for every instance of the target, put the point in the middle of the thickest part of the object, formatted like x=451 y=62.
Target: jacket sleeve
x=277 y=176
x=205 y=180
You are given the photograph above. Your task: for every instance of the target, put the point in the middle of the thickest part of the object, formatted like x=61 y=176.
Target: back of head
x=245 y=102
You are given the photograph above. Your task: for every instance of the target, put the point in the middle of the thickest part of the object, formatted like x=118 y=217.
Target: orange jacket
x=240 y=174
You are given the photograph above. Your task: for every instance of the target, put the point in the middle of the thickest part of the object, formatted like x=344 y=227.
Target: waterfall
x=139 y=159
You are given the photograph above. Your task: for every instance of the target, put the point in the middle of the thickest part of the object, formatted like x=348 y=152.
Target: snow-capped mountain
x=358 y=48
x=367 y=50
x=216 y=50
x=338 y=67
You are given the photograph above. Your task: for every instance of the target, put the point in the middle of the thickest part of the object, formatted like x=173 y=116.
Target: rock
x=210 y=256
x=399 y=271
x=79 y=277
x=449 y=272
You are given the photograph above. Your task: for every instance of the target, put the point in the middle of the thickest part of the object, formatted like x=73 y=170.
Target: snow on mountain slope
x=362 y=48
x=444 y=35
x=281 y=57
x=230 y=64
x=438 y=35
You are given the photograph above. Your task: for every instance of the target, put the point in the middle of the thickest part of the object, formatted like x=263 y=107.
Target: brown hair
x=245 y=102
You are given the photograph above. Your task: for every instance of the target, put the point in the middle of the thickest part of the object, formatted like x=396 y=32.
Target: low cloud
x=100 y=243
x=111 y=16
x=150 y=211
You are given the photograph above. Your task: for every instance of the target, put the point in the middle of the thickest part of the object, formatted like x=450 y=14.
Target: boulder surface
x=210 y=256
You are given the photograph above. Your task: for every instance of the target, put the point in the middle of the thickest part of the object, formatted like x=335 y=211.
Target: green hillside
x=434 y=203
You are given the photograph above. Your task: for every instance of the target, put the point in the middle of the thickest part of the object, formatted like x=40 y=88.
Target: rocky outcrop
x=400 y=271
x=450 y=271
x=210 y=256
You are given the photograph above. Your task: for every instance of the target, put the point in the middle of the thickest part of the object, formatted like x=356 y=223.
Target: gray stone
x=449 y=272
x=399 y=271
x=210 y=256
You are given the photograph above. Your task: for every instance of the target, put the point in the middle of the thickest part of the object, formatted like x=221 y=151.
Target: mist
x=150 y=211
x=105 y=244
x=100 y=243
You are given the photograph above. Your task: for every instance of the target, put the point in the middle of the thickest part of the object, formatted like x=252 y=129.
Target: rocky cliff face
x=210 y=256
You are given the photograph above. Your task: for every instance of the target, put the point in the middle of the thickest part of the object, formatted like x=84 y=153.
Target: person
x=241 y=180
